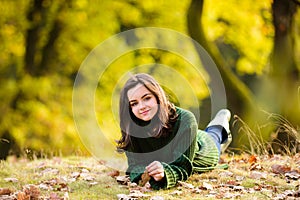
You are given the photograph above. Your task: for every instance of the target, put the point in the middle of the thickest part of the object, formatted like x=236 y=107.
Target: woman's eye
x=147 y=98
x=133 y=104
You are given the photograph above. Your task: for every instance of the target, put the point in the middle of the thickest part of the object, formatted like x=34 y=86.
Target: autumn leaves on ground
x=248 y=177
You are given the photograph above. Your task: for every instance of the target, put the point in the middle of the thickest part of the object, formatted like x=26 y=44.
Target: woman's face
x=142 y=102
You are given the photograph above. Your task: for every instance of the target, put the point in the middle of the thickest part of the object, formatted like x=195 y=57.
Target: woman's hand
x=156 y=170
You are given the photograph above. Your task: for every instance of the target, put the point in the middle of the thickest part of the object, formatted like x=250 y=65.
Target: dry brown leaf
x=32 y=190
x=252 y=159
x=255 y=166
x=144 y=179
x=23 y=196
x=113 y=173
x=280 y=169
x=232 y=182
x=5 y=191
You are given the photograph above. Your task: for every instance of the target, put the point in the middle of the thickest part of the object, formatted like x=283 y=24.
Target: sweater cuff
x=169 y=176
x=167 y=182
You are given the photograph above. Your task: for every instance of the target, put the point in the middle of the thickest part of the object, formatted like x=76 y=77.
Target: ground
x=248 y=177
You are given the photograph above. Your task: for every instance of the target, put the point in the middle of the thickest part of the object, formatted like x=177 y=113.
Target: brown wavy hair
x=163 y=120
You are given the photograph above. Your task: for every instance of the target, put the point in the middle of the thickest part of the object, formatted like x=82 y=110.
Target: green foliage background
x=37 y=109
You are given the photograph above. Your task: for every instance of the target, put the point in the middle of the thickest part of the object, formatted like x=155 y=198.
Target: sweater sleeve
x=184 y=147
x=135 y=168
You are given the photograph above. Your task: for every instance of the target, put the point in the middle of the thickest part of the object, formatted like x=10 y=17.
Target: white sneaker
x=225 y=145
x=222 y=118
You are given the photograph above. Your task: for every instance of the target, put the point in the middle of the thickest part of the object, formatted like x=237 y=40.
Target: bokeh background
x=255 y=45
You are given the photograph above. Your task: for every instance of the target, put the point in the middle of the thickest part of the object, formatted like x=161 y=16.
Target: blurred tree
x=240 y=98
x=280 y=84
x=285 y=75
x=43 y=43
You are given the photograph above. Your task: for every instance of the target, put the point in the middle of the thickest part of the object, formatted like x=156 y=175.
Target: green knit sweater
x=184 y=151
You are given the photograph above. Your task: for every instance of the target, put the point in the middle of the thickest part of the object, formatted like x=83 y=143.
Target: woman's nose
x=142 y=105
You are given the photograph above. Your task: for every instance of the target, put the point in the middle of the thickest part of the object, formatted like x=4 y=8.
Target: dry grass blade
x=256 y=142
x=285 y=126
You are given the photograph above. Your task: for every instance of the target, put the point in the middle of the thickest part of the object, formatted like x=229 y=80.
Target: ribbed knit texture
x=184 y=151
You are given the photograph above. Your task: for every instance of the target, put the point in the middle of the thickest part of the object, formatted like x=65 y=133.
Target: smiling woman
x=162 y=140
x=142 y=102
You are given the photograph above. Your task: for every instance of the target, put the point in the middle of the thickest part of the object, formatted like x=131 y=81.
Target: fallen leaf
x=239 y=178
x=252 y=159
x=50 y=171
x=122 y=196
x=87 y=176
x=255 y=166
x=32 y=190
x=207 y=186
x=130 y=184
x=157 y=198
x=22 y=196
x=292 y=175
x=197 y=190
x=144 y=179
x=75 y=175
x=14 y=180
x=257 y=187
x=55 y=196
x=258 y=175
x=176 y=192
x=280 y=169
x=5 y=191
x=93 y=183
x=232 y=182
x=113 y=173
x=226 y=174
x=186 y=185
x=238 y=188
x=85 y=170
x=123 y=179
x=137 y=194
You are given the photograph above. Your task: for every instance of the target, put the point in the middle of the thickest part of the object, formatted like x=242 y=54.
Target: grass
x=95 y=183
x=251 y=175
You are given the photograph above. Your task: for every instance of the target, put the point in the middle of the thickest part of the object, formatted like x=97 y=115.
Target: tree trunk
x=39 y=58
x=34 y=18
x=239 y=96
x=283 y=59
x=285 y=74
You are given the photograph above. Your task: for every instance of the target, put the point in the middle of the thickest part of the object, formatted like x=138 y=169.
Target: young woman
x=164 y=140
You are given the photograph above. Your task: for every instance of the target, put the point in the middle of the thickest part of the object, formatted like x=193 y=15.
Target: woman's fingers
x=154 y=166
x=156 y=170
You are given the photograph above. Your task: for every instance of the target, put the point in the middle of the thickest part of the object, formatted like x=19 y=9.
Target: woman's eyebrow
x=133 y=100
x=146 y=94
